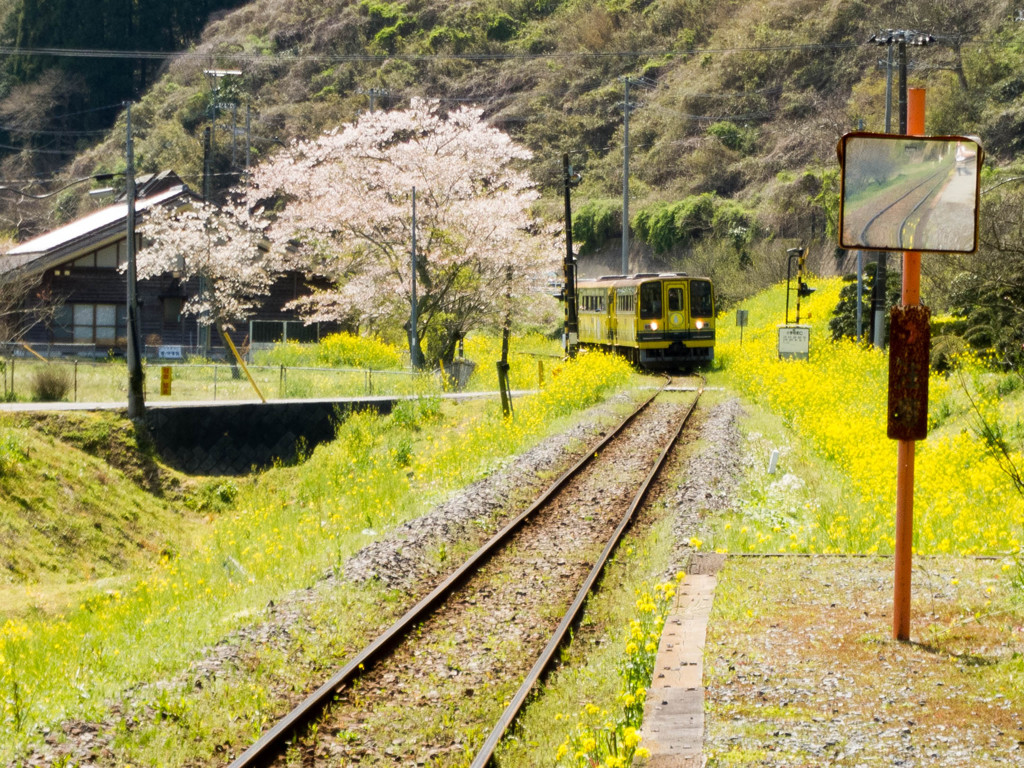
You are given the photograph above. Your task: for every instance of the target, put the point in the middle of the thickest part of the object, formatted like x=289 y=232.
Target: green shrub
x=11 y=453
x=51 y=383
x=730 y=217
x=595 y=222
x=288 y=353
x=449 y=39
x=502 y=28
x=412 y=414
x=389 y=22
x=213 y=496
x=734 y=137
x=664 y=225
x=655 y=225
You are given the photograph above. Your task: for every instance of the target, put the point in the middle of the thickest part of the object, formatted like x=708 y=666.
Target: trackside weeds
x=611 y=739
x=836 y=401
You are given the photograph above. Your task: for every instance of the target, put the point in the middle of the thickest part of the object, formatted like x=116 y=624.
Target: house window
x=62 y=328
x=108 y=257
x=99 y=323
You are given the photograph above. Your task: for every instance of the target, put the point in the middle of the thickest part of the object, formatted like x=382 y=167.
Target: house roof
x=84 y=234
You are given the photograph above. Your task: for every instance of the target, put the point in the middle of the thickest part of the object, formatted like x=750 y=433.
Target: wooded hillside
x=736 y=106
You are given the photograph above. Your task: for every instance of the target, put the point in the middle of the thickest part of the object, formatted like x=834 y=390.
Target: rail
x=938 y=177
x=274 y=742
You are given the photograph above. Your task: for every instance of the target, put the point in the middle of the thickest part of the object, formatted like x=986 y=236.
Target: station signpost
x=874 y=166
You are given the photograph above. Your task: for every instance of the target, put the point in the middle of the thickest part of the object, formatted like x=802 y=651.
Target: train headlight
x=654 y=326
x=699 y=324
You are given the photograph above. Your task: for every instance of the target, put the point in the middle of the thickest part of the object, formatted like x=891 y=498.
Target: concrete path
x=673 y=729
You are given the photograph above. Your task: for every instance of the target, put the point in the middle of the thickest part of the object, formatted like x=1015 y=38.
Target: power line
x=100 y=53
x=35 y=151
x=292 y=55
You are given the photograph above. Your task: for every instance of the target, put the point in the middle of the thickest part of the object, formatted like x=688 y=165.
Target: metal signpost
x=944 y=219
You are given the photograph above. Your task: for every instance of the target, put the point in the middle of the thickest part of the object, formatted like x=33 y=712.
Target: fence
x=98 y=382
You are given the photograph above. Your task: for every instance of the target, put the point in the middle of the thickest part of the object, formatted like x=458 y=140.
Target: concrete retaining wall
x=234 y=438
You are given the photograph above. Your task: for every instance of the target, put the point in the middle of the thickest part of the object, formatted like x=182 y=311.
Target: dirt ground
x=801 y=670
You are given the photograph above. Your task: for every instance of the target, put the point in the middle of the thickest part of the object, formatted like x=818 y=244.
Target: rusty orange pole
x=911 y=296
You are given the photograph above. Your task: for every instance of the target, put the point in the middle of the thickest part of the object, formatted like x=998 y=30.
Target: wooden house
x=80 y=266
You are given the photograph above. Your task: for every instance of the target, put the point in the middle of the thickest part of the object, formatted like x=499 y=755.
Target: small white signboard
x=794 y=341
x=169 y=352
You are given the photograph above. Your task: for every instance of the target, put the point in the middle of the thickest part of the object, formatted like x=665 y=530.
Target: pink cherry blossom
x=224 y=246
x=347 y=216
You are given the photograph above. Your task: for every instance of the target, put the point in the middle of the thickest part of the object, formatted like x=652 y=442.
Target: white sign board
x=169 y=352
x=794 y=341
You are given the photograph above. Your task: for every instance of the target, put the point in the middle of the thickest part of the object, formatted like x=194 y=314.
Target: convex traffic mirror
x=909 y=193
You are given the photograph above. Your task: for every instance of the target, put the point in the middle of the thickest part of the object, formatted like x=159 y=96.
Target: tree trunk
x=236 y=372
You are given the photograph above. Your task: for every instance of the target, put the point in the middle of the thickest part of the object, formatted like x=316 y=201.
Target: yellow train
x=656 y=320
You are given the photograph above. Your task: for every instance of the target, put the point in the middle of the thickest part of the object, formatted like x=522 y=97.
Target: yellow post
x=26 y=346
x=238 y=357
x=165 y=380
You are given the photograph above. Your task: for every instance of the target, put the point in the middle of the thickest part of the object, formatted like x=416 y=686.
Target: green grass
x=67 y=515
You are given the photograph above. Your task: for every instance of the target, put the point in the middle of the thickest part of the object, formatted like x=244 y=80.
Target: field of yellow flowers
x=836 y=403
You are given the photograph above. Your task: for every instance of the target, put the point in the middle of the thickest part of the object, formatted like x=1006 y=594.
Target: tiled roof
x=87 y=225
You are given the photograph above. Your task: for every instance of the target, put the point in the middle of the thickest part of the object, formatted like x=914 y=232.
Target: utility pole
x=572 y=327
x=625 y=180
x=207 y=159
x=234 y=135
x=248 y=137
x=900 y=38
x=627 y=81
x=373 y=93
x=136 y=382
x=888 y=89
x=414 y=340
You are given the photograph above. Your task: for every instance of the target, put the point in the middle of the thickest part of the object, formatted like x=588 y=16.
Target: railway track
x=902 y=214
x=471 y=651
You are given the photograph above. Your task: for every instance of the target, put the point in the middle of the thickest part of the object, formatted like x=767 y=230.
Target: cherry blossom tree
x=348 y=215
x=224 y=246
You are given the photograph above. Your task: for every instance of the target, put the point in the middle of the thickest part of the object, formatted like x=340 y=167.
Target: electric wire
x=277 y=57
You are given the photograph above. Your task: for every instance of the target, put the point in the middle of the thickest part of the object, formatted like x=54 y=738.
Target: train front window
x=700 y=299
x=675 y=300
x=650 y=300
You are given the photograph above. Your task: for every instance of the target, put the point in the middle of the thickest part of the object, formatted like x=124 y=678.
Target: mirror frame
x=842 y=152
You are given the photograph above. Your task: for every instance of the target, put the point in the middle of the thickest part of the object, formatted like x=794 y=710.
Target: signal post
x=870 y=220
x=910 y=329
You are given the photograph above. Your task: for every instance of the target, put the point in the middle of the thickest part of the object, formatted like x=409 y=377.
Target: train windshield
x=675 y=300
x=650 y=300
x=700 y=299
